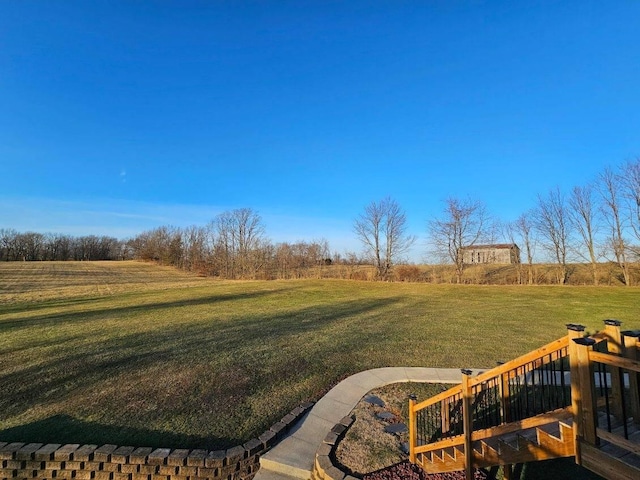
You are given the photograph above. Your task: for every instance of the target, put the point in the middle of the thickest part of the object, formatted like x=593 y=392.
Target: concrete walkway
x=293 y=457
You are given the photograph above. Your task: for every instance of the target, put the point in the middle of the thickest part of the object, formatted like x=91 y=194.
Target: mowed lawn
x=134 y=354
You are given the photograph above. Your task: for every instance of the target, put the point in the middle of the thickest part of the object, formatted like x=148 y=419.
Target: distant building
x=505 y=253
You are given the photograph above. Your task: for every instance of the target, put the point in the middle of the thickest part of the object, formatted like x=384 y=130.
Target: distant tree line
x=32 y=246
x=593 y=224
x=232 y=246
x=590 y=224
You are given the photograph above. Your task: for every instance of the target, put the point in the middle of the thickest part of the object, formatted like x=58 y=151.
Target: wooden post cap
x=585 y=341
x=613 y=323
x=575 y=327
x=631 y=333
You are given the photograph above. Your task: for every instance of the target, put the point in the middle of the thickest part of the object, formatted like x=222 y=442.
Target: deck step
x=530 y=434
x=511 y=440
x=552 y=429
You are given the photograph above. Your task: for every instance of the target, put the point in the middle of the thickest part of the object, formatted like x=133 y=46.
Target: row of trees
x=594 y=223
x=32 y=246
x=234 y=246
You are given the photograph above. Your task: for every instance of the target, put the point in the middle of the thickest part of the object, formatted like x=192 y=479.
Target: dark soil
x=408 y=471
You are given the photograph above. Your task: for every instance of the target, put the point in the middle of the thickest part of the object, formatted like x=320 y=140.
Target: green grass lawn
x=129 y=353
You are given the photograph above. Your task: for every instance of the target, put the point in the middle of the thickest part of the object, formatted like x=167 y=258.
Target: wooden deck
x=574 y=397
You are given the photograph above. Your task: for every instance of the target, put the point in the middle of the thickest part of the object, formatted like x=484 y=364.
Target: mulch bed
x=409 y=471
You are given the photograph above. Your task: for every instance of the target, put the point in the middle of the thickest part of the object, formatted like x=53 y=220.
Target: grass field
x=130 y=353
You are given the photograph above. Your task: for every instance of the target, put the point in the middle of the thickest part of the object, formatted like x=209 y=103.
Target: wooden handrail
x=615 y=361
x=450 y=393
x=539 y=353
x=538 y=420
x=536 y=354
x=618 y=441
x=457 y=440
x=444 y=443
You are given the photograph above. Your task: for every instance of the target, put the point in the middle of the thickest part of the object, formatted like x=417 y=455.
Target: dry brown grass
x=366 y=447
x=29 y=282
x=131 y=353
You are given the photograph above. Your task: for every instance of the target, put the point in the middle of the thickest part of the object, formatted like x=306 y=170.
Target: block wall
x=325 y=467
x=112 y=462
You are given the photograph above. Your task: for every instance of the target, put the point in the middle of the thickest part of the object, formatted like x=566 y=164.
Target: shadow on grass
x=66 y=429
x=7 y=325
x=557 y=468
x=238 y=358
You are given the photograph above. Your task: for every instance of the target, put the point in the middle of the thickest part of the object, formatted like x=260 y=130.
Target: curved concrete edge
x=295 y=455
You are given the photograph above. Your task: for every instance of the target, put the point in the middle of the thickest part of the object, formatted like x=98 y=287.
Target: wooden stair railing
x=545 y=404
x=541 y=437
x=608 y=418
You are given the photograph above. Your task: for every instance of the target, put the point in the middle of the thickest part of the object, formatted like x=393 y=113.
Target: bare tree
x=32 y=246
x=631 y=183
x=552 y=224
x=197 y=248
x=583 y=216
x=464 y=223
x=382 y=229
x=240 y=233
x=610 y=187
x=58 y=247
x=524 y=225
x=520 y=232
x=8 y=243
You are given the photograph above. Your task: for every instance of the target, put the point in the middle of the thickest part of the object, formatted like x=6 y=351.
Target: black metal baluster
x=496 y=400
x=518 y=397
x=602 y=373
x=526 y=391
x=542 y=387
x=562 y=381
x=624 y=404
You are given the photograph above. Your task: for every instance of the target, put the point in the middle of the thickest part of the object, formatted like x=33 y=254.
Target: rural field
x=136 y=354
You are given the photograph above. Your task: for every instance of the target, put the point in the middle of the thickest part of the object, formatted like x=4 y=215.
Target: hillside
x=131 y=353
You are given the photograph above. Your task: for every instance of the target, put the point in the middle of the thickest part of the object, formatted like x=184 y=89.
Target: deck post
x=503 y=387
x=445 y=416
x=467 y=420
x=575 y=331
x=615 y=346
x=630 y=342
x=587 y=394
x=413 y=433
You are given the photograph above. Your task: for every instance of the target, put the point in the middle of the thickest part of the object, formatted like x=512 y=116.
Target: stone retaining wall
x=324 y=466
x=111 y=462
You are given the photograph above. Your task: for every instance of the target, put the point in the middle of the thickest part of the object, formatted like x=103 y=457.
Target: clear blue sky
x=119 y=116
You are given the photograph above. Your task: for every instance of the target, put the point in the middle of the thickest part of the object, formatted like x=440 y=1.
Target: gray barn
x=505 y=253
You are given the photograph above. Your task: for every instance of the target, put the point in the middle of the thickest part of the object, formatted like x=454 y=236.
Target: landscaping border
x=112 y=462
x=324 y=467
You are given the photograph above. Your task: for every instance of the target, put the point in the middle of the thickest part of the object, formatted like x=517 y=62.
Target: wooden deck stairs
x=575 y=397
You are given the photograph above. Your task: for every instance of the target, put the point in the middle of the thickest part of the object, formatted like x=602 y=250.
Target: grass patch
x=136 y=354
x=366 y=447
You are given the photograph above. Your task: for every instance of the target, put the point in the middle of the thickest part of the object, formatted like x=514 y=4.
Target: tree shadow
x=66 y=429
x=557 y=468
x=82 y=364
x=9 y=324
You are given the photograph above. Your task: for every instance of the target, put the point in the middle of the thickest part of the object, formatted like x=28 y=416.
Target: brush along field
x=136 y=354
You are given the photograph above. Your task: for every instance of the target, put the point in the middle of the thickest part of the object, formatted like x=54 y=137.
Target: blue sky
x=117 y=117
